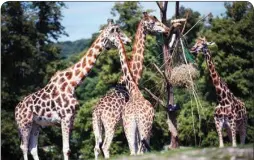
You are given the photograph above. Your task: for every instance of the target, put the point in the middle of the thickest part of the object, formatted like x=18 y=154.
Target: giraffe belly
x=51 y=118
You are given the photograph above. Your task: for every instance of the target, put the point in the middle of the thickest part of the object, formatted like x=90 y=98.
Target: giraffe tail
x=144 y=142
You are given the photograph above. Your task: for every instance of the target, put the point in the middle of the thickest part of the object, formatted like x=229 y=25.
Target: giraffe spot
x=223 y=94
x=64 y=86
x=138 y=65
x=30 y=115
x=43 y=104
x=61 y=80
x=55 y=93
x=48 y=103
x=77 y=72
x=84 y=62
x=69 y=90
x=45 y=96
x=63 y=112
x=97 y=47
x=215 y=82
x=68 y=111
x=78 y=65
x=42 y=112
x=90 y=54
x=68 y=75
x=37 y=108
x=58 y=101
x=73 y=83
x=61 y=74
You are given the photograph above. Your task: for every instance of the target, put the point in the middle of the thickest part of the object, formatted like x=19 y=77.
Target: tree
x=26 y=49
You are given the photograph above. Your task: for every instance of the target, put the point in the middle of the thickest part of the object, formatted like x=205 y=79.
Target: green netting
x=190 y=58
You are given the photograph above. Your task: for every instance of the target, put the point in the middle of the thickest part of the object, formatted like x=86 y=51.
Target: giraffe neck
x=136 y=63
x=137 y=58
x=127 y=75
x=219 y=84
x=80 y=70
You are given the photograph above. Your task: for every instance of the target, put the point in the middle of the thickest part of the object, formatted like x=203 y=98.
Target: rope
x=196 y=24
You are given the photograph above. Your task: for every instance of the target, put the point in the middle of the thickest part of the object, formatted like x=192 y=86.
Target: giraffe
x=231 y=111
x=107 y=113
x=138 y=112
x=55 y=104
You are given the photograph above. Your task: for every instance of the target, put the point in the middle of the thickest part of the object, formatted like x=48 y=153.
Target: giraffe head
x=110 y=33
x=201 y=45
x=152 y=24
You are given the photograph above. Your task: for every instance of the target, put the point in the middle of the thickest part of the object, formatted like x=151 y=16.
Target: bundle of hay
x=180 y=75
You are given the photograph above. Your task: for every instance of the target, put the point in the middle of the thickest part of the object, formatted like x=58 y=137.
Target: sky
x=82 y=19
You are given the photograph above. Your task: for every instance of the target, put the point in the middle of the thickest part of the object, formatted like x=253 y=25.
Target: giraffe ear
x=110 y=21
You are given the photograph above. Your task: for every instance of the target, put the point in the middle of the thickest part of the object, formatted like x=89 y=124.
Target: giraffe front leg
x=219 y=126
x=25 y=135
x=66 y=125
x=233 y=132
x=34 y=141
x=97 y=129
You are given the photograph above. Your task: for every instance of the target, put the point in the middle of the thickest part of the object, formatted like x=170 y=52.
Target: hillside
x=69 y=48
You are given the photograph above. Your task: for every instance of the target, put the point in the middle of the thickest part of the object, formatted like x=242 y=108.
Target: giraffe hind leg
x=33 y=141
x=242 y=131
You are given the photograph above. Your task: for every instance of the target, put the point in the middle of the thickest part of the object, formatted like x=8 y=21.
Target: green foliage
x=27 y=31
x=27 y=52
x=68 y=48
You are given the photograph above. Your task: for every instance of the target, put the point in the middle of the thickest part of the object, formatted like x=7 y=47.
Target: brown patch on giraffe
x=64 y=86
x=45 y=96
x=77 y=72
x=84 y=62
x=69 y=89
x=55 y=93
x=61 y=80
x=63 y=112
x=78 y=65
x=42 y=112
x=68 y=75
x=215 y=82
x=97 y=47
x=58 y=101
x=90 y=54
x=43 y=104
x=47 y=109
x=48 y=103
x=68 y=110
x=73 y=83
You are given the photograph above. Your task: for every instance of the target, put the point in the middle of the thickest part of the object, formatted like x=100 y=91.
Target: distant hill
x=69 y=48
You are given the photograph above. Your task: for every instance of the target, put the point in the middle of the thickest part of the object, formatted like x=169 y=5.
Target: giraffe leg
x=66 y=125
x=219 y=126
x=109 y=134
x=242 y=131
x=97 y=129
x=130 y=132
x=229 y=133
x=233 y=132
x=34 y=141
x=25 y=134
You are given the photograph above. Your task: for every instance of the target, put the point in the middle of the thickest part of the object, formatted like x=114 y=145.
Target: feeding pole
x=167 y=56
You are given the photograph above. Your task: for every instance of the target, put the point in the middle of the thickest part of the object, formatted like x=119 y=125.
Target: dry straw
x=180 y=75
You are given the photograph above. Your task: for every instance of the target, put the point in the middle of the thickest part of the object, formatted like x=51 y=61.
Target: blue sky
x=82 y=19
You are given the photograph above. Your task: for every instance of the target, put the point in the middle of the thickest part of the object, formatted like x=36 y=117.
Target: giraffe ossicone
x=55 y=104
x=230 y=112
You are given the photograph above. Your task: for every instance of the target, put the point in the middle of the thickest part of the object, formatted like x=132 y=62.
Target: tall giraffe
x=55 y=103
x=231 y=111
x=138 y=112
x=107 y=113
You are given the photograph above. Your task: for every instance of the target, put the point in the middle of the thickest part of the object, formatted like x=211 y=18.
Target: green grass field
x=189 y=153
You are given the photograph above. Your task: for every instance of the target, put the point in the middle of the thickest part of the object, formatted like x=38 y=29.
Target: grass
x=190 y=153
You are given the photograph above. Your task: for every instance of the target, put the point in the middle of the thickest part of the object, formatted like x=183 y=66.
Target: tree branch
x=155 y=97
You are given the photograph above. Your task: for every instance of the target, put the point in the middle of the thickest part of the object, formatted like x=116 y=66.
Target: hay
x=180 y=75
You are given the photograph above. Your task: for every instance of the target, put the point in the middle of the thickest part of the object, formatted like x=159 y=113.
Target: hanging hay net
x=184 y=71
x=180 y=75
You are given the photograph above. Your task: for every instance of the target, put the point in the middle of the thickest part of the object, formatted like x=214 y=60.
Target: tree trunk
x=171 y=116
